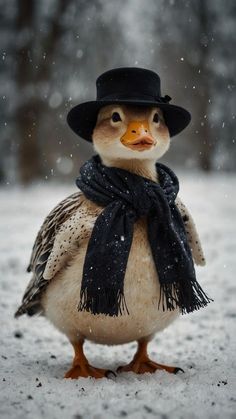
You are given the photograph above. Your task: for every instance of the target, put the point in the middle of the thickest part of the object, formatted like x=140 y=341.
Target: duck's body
x=141 y=290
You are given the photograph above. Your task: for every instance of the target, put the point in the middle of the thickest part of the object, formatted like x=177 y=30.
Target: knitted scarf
x=126 y=197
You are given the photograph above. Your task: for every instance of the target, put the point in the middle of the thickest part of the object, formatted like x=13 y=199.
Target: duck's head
x=131 y=132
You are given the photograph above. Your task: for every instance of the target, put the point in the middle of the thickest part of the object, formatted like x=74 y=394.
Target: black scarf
x=126 y=197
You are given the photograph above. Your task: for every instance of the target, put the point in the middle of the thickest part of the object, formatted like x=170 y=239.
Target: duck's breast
x=141 y=290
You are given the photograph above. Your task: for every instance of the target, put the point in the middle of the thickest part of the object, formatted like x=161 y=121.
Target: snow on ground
x=34 y=356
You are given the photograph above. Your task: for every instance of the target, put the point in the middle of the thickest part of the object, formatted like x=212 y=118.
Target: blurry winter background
x=51 y=54
x=53 y=50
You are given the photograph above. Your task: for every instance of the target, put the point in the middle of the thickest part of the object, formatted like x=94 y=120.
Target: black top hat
x=131 y=86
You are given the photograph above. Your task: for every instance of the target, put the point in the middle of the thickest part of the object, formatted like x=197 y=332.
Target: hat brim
x=83 y=117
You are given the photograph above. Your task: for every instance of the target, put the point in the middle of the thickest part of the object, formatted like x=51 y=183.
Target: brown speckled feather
x=42 y=249
x=192 y=234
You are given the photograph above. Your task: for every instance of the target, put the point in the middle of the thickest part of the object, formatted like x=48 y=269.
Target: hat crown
x=128 y=82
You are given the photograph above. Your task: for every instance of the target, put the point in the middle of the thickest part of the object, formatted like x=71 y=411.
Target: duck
x=131 y=138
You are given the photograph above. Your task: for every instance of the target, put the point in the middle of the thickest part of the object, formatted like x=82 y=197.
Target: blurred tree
x=28 y=109
x=205 y=36
x=32 y=70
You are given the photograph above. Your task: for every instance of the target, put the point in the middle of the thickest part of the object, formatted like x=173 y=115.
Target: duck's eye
x=116 y=117
x=156 y=118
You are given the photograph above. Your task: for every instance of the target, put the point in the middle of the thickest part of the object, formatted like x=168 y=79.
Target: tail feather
x=31 y=309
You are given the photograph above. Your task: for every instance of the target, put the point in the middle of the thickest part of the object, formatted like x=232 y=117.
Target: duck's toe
x=88 y=370
x=141 y=366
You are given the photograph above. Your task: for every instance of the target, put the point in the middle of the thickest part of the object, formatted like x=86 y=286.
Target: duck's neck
x=145 y=168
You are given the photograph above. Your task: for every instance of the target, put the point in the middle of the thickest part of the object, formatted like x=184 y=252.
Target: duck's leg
x=82 y=368
x=141 y=362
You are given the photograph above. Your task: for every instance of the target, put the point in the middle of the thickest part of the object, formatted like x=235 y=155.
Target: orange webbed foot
x=142 y=364
x=82 y=368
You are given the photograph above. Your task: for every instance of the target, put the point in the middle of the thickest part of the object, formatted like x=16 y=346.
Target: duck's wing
x=192 y=234
x=41 y=252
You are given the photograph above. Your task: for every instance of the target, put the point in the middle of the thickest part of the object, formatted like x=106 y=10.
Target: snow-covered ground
x=34 y=356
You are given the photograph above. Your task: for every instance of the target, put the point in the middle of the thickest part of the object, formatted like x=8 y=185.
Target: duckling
x=131 y=138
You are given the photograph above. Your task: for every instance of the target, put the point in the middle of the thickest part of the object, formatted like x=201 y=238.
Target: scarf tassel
x=109 y=302
x=188 y=298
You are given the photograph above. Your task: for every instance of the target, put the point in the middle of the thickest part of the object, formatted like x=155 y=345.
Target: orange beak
x=138 y=136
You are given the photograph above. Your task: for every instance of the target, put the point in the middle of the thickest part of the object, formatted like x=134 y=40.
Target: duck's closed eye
x=116 y=117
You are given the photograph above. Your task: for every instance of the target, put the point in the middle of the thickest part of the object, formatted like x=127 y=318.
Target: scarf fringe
x=109 y=302
x=188 y=298
x=172 y=296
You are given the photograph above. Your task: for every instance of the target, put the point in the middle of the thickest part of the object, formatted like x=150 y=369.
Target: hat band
x=133 y=97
